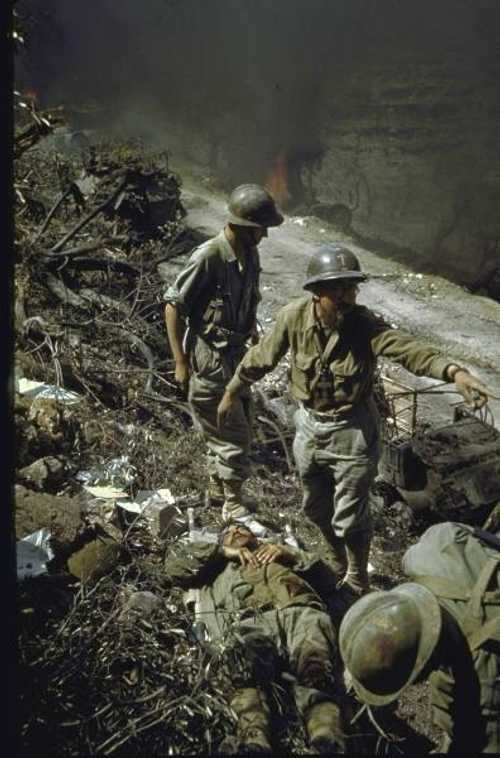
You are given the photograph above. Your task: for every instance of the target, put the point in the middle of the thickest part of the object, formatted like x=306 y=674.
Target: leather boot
x=338 y=554
x=214 y=495
x=324 y=728
x=253 y=728
x=358 y=549
x=234 y=506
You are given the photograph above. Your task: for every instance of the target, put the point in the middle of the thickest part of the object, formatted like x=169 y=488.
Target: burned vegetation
x=109 y=659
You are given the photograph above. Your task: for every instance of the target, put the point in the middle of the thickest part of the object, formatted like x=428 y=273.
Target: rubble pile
x=120 y=670
x=108 y=660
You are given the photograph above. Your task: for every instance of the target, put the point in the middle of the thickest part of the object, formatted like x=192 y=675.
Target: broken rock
x=35 y=510
x=44 y=474
x=142 y=604
x=95 y=558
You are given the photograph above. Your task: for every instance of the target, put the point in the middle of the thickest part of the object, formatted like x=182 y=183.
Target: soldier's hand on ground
x=473 y=390
x=268 y=553
x=225 y=409
x=182 y=376
x=241 y=554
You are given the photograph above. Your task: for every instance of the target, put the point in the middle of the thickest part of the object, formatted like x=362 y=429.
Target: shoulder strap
x=476 y=628
x=475 y=607
x=442 y=587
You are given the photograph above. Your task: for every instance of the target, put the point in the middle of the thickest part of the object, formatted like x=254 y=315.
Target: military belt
x=327 y=416
x=221 y=338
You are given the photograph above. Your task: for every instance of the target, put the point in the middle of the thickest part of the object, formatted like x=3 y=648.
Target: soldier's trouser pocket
x=337 y=462
x=229 y=445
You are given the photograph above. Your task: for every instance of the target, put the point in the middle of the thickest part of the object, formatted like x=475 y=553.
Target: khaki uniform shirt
x=230 y=592
x=347 y=363
x=217 y=294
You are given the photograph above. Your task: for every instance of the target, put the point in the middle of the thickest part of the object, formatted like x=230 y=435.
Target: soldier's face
x=239 y=536
x=333 y=299
x=250 y=236
x=256 y=234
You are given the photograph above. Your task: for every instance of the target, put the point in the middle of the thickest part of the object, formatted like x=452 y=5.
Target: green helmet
x=331 y=262
x=386 y=638
x=252 y=205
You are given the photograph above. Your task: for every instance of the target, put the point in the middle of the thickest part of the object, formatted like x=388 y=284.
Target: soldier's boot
x=253 y=727
x=324 y=728
x=358 y=550
x=234 y=506
x=338 y=553
x=214 y=495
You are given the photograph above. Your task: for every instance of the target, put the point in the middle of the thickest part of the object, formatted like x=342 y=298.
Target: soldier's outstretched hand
x=472 y=389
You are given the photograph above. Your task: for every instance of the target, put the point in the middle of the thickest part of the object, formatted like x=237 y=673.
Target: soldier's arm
x=181 y=299
x=192 y=564
x=262 y=358
x=176 y=328
x=257 y=361
x=424 y=360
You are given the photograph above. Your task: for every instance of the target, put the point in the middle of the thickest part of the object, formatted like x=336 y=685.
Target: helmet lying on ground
x=386 y=638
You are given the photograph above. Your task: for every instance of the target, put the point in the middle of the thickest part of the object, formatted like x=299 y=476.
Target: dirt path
x=464 y=326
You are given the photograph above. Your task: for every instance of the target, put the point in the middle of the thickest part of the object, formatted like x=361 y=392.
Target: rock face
x=411 y=160
x=381 y=117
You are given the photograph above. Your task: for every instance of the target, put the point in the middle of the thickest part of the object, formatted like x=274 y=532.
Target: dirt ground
x=94 y=678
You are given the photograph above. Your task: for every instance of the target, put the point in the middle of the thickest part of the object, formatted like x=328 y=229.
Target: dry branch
x=101 y=207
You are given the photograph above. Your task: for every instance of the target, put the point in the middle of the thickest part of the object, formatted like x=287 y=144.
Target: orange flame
x=277 y=180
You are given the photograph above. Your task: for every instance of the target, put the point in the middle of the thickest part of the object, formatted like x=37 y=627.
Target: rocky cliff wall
x=412 y=160
x=383 y=114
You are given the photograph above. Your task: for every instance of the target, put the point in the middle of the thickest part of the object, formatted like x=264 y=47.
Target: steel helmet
x=386 y=638
x=331 y=262
x=252 y=205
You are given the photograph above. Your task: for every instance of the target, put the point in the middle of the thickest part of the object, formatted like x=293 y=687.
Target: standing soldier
x=216 y=298
x=444 y=625
x=334 y=344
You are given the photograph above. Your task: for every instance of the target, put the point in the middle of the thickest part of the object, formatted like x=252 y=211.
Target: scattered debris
x=117 y=472
x=33 y=553
x=452 y=470
x=155 y=508
x=41 y=390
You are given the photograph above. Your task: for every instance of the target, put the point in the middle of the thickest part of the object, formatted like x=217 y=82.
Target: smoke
x=234 y=82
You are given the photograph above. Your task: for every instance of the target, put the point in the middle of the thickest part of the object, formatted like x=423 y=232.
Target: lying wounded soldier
x=258 y=600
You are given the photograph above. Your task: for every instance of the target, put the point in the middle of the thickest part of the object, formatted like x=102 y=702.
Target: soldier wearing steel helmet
x=210 y=316
x=443 y=625
x=334 y=344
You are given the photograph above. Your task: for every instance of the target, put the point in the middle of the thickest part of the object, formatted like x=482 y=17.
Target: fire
x=277 y=180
